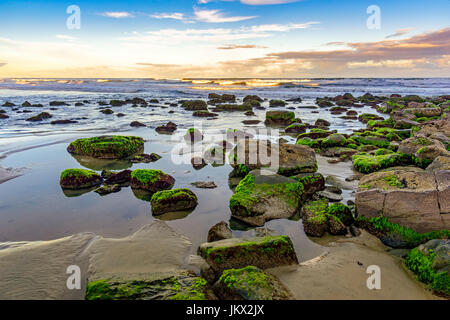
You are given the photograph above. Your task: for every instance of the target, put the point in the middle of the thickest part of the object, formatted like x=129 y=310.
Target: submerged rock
x=107 y=147
x=79 y=179
x=173 y=200
x=145 y=158
x=170 y=127
x=262 y=252
x=107 y=189
x=151 y=180
x=250 y=283
x=204 y=184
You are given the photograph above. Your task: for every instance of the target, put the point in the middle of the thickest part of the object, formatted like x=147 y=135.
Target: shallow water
x=33 y=206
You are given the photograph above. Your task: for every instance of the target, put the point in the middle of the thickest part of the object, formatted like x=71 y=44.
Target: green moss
x=340 y=211
x=319 y=210
x=194 y=105
x=295 y=126
x=393 y=181
x=171 y=194
x=77 y=174
x=277 y=103
x=247 y=194
x=421 y=265
x=383 y=151
x=411 y=237
x=372 y=140
x=247 y=106
x=146 y=176
x=107 y=147
x=280 y=116
x=313 y=143
x=422 y=142
x=367 y=163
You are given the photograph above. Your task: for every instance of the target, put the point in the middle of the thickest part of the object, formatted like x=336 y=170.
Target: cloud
x=117 y=14
x=175 y=15
x=399 y=32
x=216 y=16
x=3 y=64
x=281 y=27
x=243 y=46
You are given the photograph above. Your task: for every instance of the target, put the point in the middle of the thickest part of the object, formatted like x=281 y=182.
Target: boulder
x=366 y=163
x=279 y=118
x=295 y=128
x=75 y=179
x=176 y=285
x=287 y=159
x=194 y=105
x=173 y=200
x=262 y=252
x=219 y=231
x=277 y=103
x=411 y=198
x=41 y=116
x=168 y=128
x=112 y=178
x=151 y=180
x=262 y=197
x=250 y=283
x=107 y=147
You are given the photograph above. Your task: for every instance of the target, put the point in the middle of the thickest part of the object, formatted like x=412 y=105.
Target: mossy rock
x=314 y=218
x=204 y=114
x=366 y=117
x=366 y=163
x=107 y=147
x=312 y=183
x=41 y=116
x=262 y=252
x=334 y=140
x=274 y=197
x=180 y=285
x=79 y=179
x=315 y=133
x=253 y=98
x=342 y=212
x=282 y=118
x=377 y=141
x=173 y=200
x=194 y=105
x=107 y=189
x=151 y=180
x=295 y=128
x=277 y=103
x=250 y=283
x=421 y=262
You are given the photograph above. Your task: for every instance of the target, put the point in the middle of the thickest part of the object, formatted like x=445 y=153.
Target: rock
x=250 y=283
x=75 y=179
x=288 y=159
x=261 y=197
x=424 y=112
x=173 y=200
x=440 y=163
x=336 y=227
x=355 y=231
x=120 y=114
x=279 y=118
x=251 y=121
x=411 y=198
x=295 y=128
x=219 y=231
x=151 y=180
x=57 y=103
x=204 y=114
x=137 y=124
x=170 y=127
x=193 y=135
x=334 y=197
x=107 y=111
x=3 y=116
x=107 y=189
x=366 y=117
x=8 y=104
x=312 y=182
x=117 y=103
x=198 y=163
x=413 y=144
x=107 y=147
x=261 y=252
x=176 y=285
x=333 y=189
x=341 y=152
x=120 y=178
x=204 y=184
x=145 y=158
x=441 y=253
x=194 y=105
x=365 y=163
x=277 y=103
x=41 y=116
x=322 y=123
x=63 y=122
x=252 y=97
x=313 y=214
x=334 y=140
x=315 y=133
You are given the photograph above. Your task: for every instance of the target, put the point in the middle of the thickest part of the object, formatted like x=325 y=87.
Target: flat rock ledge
x=410 y=197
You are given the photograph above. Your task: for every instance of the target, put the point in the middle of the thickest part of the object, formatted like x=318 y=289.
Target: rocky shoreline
x=401 y=163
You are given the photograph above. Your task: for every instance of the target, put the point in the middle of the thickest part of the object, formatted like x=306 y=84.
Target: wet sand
x=337 y=275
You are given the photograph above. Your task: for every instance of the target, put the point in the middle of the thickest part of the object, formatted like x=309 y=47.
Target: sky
x=174 y=39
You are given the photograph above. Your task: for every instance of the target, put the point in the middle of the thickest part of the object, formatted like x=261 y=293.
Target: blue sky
x=213 y=38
